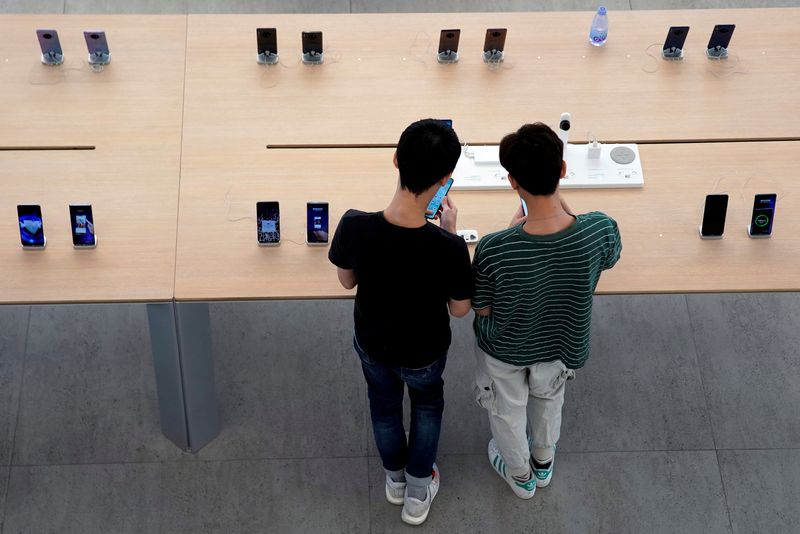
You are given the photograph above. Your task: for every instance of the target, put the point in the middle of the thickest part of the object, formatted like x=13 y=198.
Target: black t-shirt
x=405 y=278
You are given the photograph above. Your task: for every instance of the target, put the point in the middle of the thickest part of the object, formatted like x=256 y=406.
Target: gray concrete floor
x=683 y=420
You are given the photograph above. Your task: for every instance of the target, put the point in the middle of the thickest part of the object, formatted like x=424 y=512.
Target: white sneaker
x=543 y=472
x=395 y=491
x=523 y=490
x=415 y=512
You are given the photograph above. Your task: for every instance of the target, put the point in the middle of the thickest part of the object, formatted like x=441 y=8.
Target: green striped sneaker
x=523 y=490
x=543 y=473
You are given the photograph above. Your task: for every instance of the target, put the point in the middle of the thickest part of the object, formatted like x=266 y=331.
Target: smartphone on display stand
x=81 y=223
x=720 y=39
x=51 y=47
x=268 y=218
x=763 y=215
x=676 y=39
x=436 y=202
x=714 y=217
x=267 y=43
x=317 y=223
x=312 y=43
x=31 y=226
x=495 y=40
x=97 y=45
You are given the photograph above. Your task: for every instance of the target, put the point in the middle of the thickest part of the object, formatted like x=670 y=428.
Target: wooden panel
x=380 y=74
x=132 y=113
x=218 y=257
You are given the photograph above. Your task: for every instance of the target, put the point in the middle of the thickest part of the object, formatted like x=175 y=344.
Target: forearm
x=483 y=312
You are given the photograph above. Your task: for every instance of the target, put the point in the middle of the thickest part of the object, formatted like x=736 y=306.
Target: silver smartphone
x=51 y=47
x=97 y=45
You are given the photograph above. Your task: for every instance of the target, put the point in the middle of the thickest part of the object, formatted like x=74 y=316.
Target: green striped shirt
x=540 y=289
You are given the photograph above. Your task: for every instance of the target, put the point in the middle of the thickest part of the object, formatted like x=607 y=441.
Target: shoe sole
x=411 y=520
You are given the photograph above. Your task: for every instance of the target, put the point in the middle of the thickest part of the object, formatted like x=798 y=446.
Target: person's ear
x=394 y=159
x=563 y=169
x=513 y=183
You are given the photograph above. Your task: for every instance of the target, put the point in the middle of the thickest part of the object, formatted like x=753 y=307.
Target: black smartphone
x=96 y=43
x=81 y=222
x=51 y=46
x=495 y=40
x=31 y=226
x=763 y=215
x=714 y=216
x=721 y=36
x=448 y=41
x=447 y=122
x=676 y=38
x=268 y=217
x=317 y=223
x=312 y=43
x=436 y=201
x=267 y=40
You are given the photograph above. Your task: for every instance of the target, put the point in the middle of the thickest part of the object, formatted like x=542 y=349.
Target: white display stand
x=479 y=168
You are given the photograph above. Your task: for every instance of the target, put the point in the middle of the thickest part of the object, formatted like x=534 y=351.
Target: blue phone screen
x=317 y=222
x=436 y=201
x=82 y=226
x=31 y=228
x=763 y=214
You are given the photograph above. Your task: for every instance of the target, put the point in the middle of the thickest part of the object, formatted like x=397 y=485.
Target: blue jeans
x=386 y=385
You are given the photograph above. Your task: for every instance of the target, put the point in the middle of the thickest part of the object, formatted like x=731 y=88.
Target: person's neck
x=546 y=214
x=406 y=209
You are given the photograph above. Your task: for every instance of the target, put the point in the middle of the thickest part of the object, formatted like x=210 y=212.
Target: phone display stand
x=718 y=52
x=99 y=58
x=448 y=56
x=673 y=54
x=759 y=236
x=52 y=58
x=313 y=58
x=267 y=58
x=700 y=231
x=493 y=56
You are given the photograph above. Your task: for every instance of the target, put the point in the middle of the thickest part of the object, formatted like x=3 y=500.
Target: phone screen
x=312 y=42
x=763 y=215
x=266 y=40
x=436 y=201
x=269 y=223
x=447 y=122
x=317 y=222
x=448 y=41
x=31 y=228
x=714 y=215
x=82 y=223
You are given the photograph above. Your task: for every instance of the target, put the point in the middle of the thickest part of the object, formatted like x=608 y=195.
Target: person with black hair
x=533 y=305
x=409 y=273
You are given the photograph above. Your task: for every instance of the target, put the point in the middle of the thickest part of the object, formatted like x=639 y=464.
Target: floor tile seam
x=194 y=461
x=700 y=371
x=724 y=491
x=16 y=421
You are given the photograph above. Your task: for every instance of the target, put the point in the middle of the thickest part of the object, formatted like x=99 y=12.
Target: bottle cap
x=601 y=10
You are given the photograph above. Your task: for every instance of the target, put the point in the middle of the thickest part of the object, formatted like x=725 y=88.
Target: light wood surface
x=380 y=74
x=218 y=257
x=131 y=112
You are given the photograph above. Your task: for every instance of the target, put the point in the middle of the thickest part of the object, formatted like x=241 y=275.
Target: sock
x=418 y=492
x=396 y=476
x=542 y=456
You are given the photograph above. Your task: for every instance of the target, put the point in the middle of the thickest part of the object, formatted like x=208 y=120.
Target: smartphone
x=81 y=222
x=676 y=38
x=436 y=201
x=51 y=47
x=317 y=223
x=714 y=217
x=495 y=40
x=447 y=122
x=31 y=227
x=97 y=44
x=763 y=215
x=524 y=206
x=721 y=36
x=312 y=43
x=267 y=40
x=448 y=41
x=268 y=217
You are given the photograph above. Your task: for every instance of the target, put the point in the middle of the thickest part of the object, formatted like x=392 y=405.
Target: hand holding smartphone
x=434 y=206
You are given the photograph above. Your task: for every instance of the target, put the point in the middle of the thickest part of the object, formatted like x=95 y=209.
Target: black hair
x=428 y=151
x=532 y=156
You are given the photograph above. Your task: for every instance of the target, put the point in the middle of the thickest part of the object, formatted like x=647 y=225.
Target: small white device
x=470 y=236
x=564 y=124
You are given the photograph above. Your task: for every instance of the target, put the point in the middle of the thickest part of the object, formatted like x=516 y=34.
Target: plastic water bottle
x=599 y=30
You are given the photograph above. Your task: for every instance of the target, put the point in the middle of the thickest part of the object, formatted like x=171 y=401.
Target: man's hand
x=448 y=214
x=518 y=218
